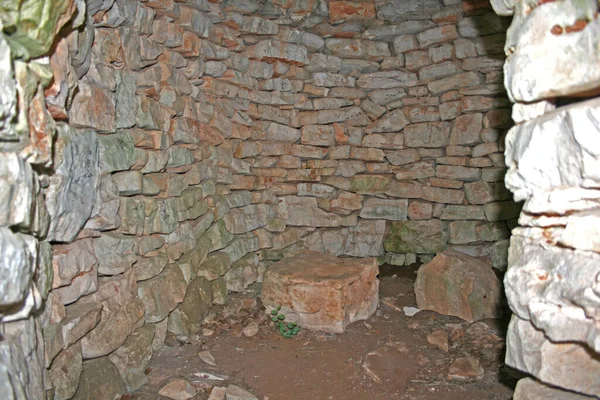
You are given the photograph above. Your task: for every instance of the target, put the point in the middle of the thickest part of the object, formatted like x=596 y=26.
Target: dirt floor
x=387 y=357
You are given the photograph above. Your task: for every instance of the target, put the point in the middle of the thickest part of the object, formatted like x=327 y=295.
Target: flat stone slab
x=322 y=292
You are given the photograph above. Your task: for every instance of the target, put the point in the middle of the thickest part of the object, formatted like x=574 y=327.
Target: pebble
x=465 y=368
x=207 y=358
x=439 y=340
x=207 y=332
x=178 y=389
x=251 y=329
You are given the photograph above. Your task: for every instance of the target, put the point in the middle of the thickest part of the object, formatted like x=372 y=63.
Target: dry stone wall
x=553 y=279
x=158 y=154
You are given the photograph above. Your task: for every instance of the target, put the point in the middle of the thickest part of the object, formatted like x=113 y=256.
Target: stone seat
x=322 y=292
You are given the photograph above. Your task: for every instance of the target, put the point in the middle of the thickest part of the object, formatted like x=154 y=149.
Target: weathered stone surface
x=415 y=237
x=273 y=50
x=345 y=10
x=530 y=78
x=116 y=152
x=553 y=363
x=356 y=48
x=464 y=369
x=387 y=80
x=242 y=273
x=395 y=10
x=178 y=389
x=236 y=393
x=17 y=269
x=187 y=317
x=65 y=372
x=553 y=151
x=322 y=292
x=542 y=285
x=304 y=211
x=427 y=134
x=71 y=194
x=132 y=358
x=529 y=389
x=17 y=191
x=93 y=107
x=161 y=294
x=100 y=380
x=393 y=210
x=246 y=219
x=456 y=284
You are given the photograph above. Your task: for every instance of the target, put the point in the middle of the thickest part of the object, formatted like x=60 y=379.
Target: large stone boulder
x=457 y=284
x=322 y=292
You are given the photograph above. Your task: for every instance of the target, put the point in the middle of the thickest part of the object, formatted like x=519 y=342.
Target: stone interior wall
x=553 y=155
x=159 y=154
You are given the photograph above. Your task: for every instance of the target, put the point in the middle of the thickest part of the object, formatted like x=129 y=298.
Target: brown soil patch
x=387 y=357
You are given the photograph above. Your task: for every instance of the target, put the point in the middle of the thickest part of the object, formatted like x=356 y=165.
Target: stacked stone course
x=167 y=152
x=553 y=278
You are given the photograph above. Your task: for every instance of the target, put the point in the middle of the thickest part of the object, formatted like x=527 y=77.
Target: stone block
x=322 y=292
x=16 y=271
x=187 y=317
x=456 y=284
x=530 y=389
x=132 y=358
x=100 y=380
x=393 y=210
x=72 y=191
x=568 y=365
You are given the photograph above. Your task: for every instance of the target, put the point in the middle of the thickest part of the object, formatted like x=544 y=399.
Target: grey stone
x=387 y=80
x=530 y=351
x=100 y=380
x=8 y=96
x=356 y=48
x=132 y=358
x=129 y=183
x=242 y=273
x=502 y=211
x=116 y=152
x=395 y=10
x=388 y=32
x=565 y=155
x=17 y=191
x=17 y=269
x=529 y=389
x=393 y=210
x=72 y=191
x=65 y=372
x=392 y=121
x=365 y=239
x=161 y=294
x=415 y=237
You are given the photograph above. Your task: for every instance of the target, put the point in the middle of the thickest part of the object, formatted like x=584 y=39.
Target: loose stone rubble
x=552 y=158
x=457 y=284
x=157 y=155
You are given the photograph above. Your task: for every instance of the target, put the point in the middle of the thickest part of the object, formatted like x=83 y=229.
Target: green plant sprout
x=287 y=330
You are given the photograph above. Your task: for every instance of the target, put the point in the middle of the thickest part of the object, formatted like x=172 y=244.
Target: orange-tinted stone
x=339 y=10
x=322 y=292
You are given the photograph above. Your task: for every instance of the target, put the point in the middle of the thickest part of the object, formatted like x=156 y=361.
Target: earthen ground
x=318 y=366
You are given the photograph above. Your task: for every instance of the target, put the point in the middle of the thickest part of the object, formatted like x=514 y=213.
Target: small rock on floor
x=217 y=393
x=207 y=357
x=251 y=329
x=237 y=393
x=438 y=339
x=178 y=389
x=410 y=311
x=465 y=368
